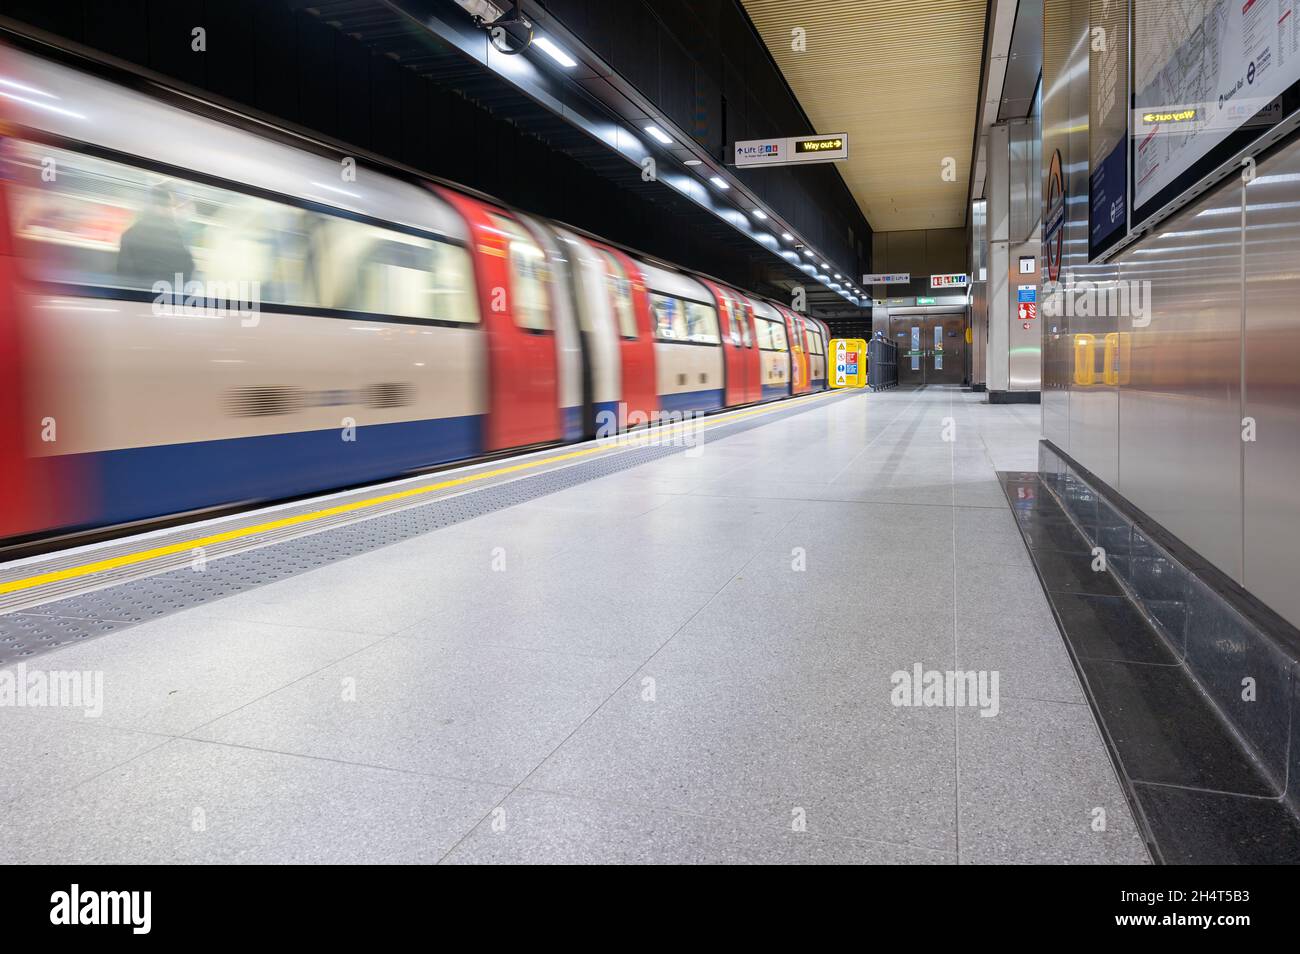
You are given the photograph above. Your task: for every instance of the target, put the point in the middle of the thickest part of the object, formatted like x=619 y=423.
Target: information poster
x=849 y=368
x=1107 y=125
x=1204 y=69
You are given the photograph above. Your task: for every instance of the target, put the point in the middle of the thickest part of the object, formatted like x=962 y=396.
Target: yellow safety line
x=143 y=556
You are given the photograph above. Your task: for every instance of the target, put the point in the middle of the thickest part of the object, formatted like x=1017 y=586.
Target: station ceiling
x=902 y=79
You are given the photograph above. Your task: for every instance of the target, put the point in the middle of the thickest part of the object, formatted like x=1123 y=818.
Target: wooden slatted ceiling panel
x=901 y=77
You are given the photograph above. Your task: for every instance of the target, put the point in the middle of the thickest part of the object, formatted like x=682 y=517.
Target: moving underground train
x=195 y=315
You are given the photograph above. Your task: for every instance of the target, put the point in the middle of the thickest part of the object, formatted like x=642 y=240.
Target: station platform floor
x=693 y=659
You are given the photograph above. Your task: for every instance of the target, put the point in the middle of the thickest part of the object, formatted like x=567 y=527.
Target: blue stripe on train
x=606 y=416
x=572 y=423
x=140 y=482
x=775 y=391
x=707 y=400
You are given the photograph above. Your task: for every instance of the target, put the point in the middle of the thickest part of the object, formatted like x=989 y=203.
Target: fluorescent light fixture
x=824 y=265
x=760 y=214
x=787 y=236
x=837 y=275
x=807 y=253
x=555 y=53
x=694 y=162
x=659 y=134
x=719 y=182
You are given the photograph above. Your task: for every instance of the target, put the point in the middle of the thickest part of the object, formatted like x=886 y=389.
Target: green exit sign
x=926 y=301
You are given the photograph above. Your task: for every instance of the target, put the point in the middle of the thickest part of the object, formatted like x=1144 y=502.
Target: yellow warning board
x=848 y=359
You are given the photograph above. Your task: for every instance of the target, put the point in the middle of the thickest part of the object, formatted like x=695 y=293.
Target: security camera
x=510 y=33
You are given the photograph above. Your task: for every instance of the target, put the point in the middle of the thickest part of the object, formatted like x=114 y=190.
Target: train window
x=742 y=318
x=451 y=291
x=771 y=335
x=89 y=221
x=669 y=316
x=779 y=340
x=702 y=323
x=729 y=308
x=620 y=290
x=352 y=266
x=529 y=277
x=107 y=224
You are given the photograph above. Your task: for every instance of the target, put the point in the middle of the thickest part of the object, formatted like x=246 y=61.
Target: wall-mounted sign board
x=949 y=281
x=887 y=278
x=792 y=150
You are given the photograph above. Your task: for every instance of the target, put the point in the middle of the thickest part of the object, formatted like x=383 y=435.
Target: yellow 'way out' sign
x=848 y=363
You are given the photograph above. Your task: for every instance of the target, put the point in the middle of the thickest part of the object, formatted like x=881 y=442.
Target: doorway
x=931 y=348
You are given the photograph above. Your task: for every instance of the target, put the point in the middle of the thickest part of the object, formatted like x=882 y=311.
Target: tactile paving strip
x=39 y=629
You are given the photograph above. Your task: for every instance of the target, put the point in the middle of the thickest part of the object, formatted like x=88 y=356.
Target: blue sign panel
x=1106 y=189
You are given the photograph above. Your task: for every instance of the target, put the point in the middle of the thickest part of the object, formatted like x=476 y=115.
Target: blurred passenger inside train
x=153 y=249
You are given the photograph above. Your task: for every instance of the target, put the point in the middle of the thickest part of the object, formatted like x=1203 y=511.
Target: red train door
x=14 y=466
x=636 y=340
x=736 y=370
x=516 y=293
x=798 y=357
x=753 y=360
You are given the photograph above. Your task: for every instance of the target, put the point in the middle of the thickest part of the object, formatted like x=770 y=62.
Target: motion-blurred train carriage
x=198 y=313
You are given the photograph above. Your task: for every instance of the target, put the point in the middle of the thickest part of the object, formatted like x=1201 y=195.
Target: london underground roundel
x=1054 y=235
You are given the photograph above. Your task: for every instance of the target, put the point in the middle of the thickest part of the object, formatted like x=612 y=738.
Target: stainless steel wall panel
x=998 y=352
x=1024 y=338
x=1180 y=407
x=1272 y=392
x=1065 y=129
x=979 y=273
x=1161 y=422
x=1024 y=181
x=1094 y=400
x=997 y=221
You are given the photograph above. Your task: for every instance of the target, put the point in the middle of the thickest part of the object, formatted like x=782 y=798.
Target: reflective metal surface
x=1179 y=408
x=979 y=298
x=1150 y=393
x=1272 y=392
x=1024 y=336
x=1065 y=129
x=998 y=214
x=1023 y=183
